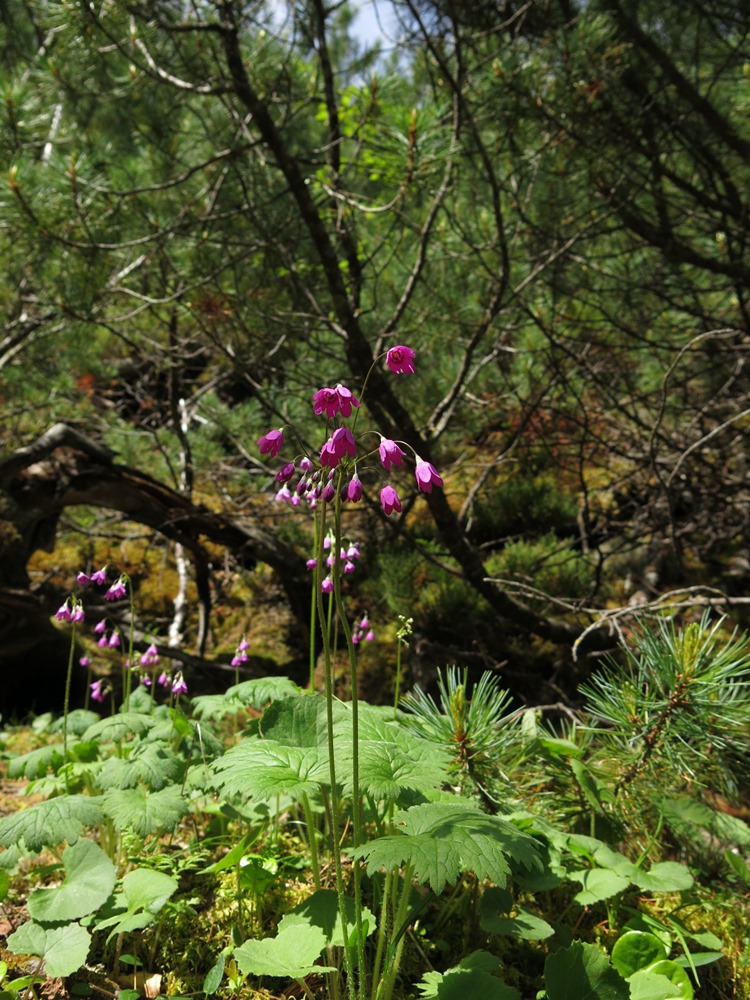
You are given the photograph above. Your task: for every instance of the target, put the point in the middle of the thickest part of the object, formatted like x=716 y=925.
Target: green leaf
x=635 y=950
x=214 y=976
x=263 y=690
x=472 y=977
x=582 y=972
x=64 y=949
x=321 y=910
x=144 y=812
x=144 y=894
x=118 y=727
x=524 y=925
x=388 y=768
x=598 y=884
x=36 y=763
x=89 y=880
x=442 y=840
x=665 y=876
x=291 y=954
x=698 y=958
x=78 y=721
x=46 y=824
x=152 y=764
x=664 y=980
x=4 y=886
x=264 y=769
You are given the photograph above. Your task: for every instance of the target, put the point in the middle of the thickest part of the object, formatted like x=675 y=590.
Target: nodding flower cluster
x=110 y=636
x=348 y=555
x=315 y=481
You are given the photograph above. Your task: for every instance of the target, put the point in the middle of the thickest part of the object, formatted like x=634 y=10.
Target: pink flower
x=333 y=401
x=284 y=495
x=146 y=681
x=84 y=661
x=114 y=640
x=116 y=591
x=98 y=690
x=82 y=579
x=271 y=443
x=354 y=489
x=389 y=500
x=340 y=444
x=327 y=585
x=243 y=644
x=305 y=464
x=349 y=566
x=178 y=684
x=400 y=360
x=285 y=474
x=63 y=613
x=311 y=563
x=101 y=627
x=150 y=658
x=370 y=636
x=365 y=623
x=390 y=453
x=102 y=643
x=100 y=577
x=353 y=551
x=163 y=679
x=427 y=475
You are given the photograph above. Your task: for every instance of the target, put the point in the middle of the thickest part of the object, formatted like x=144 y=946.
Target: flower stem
x=66 y=701
x=335 y=847
x=356 y=798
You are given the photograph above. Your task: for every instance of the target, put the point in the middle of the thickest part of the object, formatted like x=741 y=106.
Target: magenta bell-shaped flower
x=389 y=500
x=427 y=476
x=400 y=359
x=271 y=443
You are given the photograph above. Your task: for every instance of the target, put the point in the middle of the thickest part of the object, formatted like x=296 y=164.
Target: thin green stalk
x=66 y=702
x=335 y=847
x=385 y=989
x=127 y=679
x=383 y=927
x=356 y=798
x=311 y=839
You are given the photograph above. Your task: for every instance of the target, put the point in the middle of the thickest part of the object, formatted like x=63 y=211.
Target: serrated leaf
x=388 y=768
x=78 y=721
x=36 y=763
x=64 y=949
x=263 y=690
x=152 y=764
x=142 y=811
x=119 y=727
x=442 y=840
x=582 y=972
x=291 y=954
x=264 y=769
x=46 y=824
x=89 y=879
